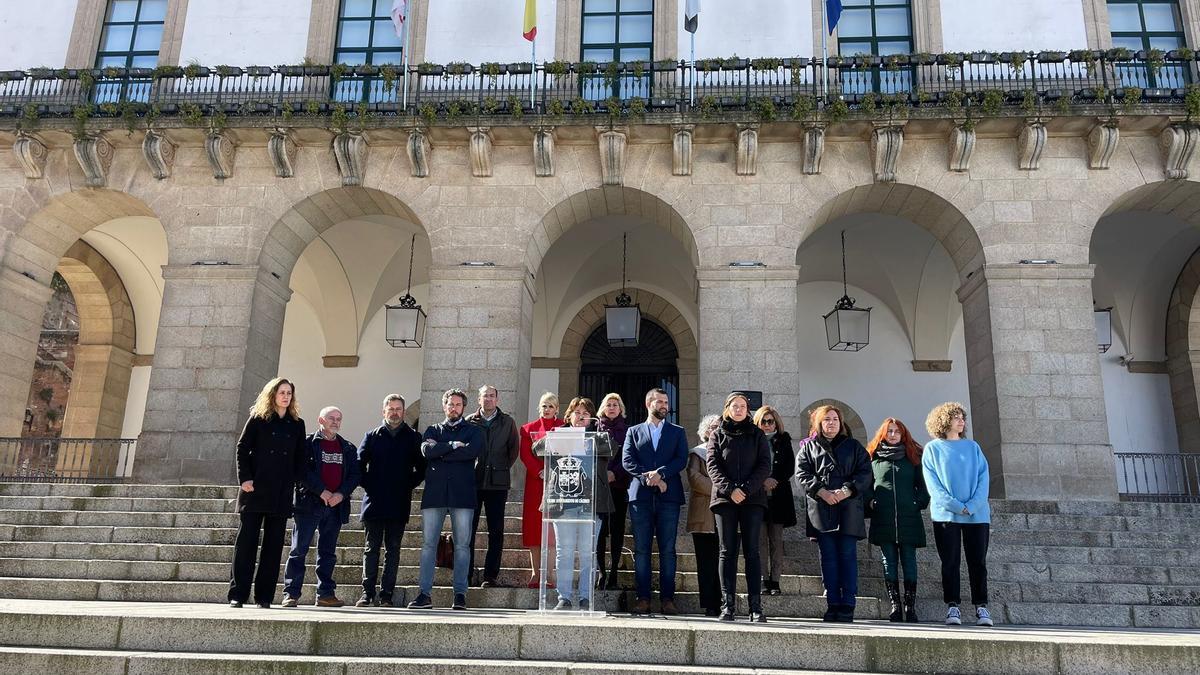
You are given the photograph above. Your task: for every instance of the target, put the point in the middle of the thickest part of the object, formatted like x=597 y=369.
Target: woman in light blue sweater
x=956 y=475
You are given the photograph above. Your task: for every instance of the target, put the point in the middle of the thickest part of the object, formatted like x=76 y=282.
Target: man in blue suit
x=655 y=452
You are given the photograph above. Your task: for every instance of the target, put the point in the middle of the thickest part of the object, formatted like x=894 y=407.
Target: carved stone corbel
x=222 y=152
x=814 y=148
x=95 y=156
x=1102 y=143
x=961 y=145
x=1030 y=145
x=31 y=154
x=747 y=149
x=612 y=154
x=543 y=151
x=159 y=152
x=887 y=139
x=681 y=145
x=1178 y=144
x=418 y=152
x=480 y=151
x=350 y=152
x=282 y=151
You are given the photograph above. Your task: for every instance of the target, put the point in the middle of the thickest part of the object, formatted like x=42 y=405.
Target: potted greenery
x=766 y=64
x=366 y=70
x=1051 y=57
x=291 y=71
x=665 y=65
x=259 y=71
x=521 y=68
x=229 y=71
x=459 y=68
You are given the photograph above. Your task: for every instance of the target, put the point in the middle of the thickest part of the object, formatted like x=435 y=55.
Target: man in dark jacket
x=322 y=506
x=392 y=467
x=451 y=448
x=492 y=476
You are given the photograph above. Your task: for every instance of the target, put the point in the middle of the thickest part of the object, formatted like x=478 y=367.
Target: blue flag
x=833 y=12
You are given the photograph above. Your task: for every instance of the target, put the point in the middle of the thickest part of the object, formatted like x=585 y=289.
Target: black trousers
x=272 y=527
x=740 y=523
x=612 y=532
x=386 y=533
x=951 y=539
x=708 y=559
x=494 y=501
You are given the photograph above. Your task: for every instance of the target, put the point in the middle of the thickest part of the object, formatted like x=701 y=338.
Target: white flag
x=398 y=12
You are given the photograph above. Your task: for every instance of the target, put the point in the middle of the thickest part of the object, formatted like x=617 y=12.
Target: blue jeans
x=461 y=521
x=572 y=538
x=326 y=523
x=654 y=518
x=839 y=567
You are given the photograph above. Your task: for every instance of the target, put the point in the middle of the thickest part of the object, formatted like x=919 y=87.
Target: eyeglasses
x=769 y=422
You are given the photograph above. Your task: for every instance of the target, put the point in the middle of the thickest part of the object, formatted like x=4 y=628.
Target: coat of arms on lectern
x=569 y=474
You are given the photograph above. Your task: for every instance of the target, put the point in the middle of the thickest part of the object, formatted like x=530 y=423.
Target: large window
x=617 y=30
x=130 y=38
x=366 y=34
x=1139 y=25
x=875 y=28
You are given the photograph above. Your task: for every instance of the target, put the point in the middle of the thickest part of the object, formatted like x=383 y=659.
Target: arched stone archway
x=1183 y=354
x=656 y=309
x=854 y=422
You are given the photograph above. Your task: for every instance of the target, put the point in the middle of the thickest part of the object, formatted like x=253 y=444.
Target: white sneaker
x=953 y=616
x=982 y=618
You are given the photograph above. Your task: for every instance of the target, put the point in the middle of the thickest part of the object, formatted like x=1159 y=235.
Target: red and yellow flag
x=530 y=28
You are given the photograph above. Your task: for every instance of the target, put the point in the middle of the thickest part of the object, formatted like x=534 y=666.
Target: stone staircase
x=1072 y=563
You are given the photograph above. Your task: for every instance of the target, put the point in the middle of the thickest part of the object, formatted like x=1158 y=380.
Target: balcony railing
x=978 y=84
x=66 y=460
x=1154 y=477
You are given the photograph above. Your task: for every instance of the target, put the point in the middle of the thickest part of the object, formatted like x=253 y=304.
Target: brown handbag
x=445 y=551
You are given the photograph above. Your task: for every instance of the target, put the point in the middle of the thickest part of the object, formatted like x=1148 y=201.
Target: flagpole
x=404 y=77
x=533 y=72
x=824 y=52
x=693 y=95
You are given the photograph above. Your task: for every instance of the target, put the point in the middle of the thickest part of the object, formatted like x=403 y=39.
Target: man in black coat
x=451 y=448
x=392 y=467
x=493 y=473
x=322 y=506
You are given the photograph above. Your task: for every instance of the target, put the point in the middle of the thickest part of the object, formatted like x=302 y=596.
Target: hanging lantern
x=1103 y=328
x=404 y=322
x=624 y=319
x=847 y=328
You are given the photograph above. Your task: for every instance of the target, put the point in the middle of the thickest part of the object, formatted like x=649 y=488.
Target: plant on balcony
x=892 y=62
x=258 y=72
x=837 y=110
x=1086 y=57
x=427 y=68
x=735 y=62
x=868 y=103
x=218 y=121
x=1181 y=54
x=228 y=71
x=42 y=73
x=923 y=97
x=556 y=69
x=612 y=106
x=582 y=106
x=1029 y=102
x=1063 y=105
x=491 y=70
x=366 y=70
x=638 y=68
x=556 y=109
x=515 y=108
x=952 y=60
x=953 y=101
x=587 y=67
x=113 y=72
x=459 y=107
x=191 y=114
x=709 y=107
x=312 y=108
x=389 y=76
x=637 y=107
x=458 y=69
x=1191 y=101
x=291 y=71
x=86 y=80
x=764 y=109
x=427 y=113
x=992 y=102
x=1130 y=98
x=490 y=106
x=337 y=71
x=708 y=65
x=1051 y=57
x=612 y=73
x=79 y=119
x=922 y=58
x=1119 y=54
x=1155 y=58
x=193 y=70
x=287 y=111
x=1017 y=61
x=803 y=107
x=29 y=116
x=666 y=65
x=896 y=105
x=1100 y=93
x=767 y=64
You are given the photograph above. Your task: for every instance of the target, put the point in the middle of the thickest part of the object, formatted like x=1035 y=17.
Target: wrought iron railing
x=1158 y=477
x=976 y=84
x=66 y=460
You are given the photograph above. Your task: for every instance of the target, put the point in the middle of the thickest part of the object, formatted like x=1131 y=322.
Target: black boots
x=893 y=592
x=727 y=608
x=910 y=601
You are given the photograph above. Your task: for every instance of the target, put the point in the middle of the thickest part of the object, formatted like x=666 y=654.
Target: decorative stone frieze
x=222 y=152
x=814 y=148
x=887 y=140
x=961 y=145
x=931 y=365
x=159 y=152
x=747 y=149
x=350 y=151
x=612 y=154
x=1030 y=144
x=681 y=156
x=282 y=151
x=1178 y=144
x=1102 y=143
x=543 y=151
x=31 y=154
x=418 y=153
x=95 y=156
x=480 y=150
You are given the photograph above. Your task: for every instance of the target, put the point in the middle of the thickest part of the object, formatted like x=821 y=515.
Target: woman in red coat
x=531 y=513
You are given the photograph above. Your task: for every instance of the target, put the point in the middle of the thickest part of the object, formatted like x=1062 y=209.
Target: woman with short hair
x=834 y=470
x=535 y=467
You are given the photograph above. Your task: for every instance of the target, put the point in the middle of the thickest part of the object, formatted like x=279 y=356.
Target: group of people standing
x=744 y=480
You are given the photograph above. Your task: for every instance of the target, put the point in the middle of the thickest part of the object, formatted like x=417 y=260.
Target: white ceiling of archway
x=136 y=246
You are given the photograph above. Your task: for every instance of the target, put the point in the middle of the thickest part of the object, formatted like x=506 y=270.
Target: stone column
x=479 y=332
x=218 y=344
x=747 y=336
x=1037 y=402
x=22 y=305
x=99 y=387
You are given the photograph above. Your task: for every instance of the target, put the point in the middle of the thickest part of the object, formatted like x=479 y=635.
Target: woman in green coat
x=897 y=527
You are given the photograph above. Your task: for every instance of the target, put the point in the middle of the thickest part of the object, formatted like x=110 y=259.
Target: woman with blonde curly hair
x=270 y=455
x=956 y=475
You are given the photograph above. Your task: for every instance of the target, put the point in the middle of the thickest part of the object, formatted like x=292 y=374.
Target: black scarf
x=732 y=428
x=891 y=453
